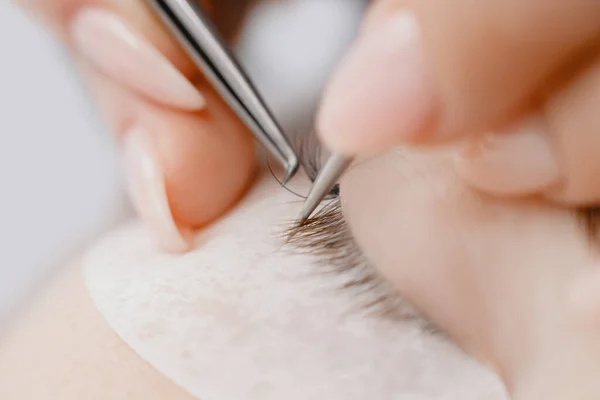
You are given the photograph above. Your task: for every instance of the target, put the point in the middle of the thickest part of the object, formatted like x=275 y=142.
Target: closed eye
x=327 y=238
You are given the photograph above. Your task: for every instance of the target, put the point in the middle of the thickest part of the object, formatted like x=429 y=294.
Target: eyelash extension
x=326 y=237
x=311 y=156
x=310 y=153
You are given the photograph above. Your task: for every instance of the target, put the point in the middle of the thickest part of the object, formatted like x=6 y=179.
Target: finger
x=188 y=157
x=431 y=70
x=125 y=41
x=555 y=153
x=182 y=169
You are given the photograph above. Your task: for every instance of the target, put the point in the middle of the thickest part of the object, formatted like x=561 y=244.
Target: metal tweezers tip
x=305 y=214
x=290 y=172
x=330 y=174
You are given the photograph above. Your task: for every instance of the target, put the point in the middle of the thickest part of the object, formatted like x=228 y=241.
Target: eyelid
x=326 y=237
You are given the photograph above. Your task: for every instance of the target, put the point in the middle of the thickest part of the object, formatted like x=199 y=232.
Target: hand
x=188 y=159
x=431 y=71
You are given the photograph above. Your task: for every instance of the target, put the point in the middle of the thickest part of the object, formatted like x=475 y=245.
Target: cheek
x=458 y=256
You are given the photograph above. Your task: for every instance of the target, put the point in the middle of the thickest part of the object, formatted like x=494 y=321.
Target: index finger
x=227 y=14
x=188 y=158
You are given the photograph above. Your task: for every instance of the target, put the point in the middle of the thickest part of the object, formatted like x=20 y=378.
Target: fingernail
x=520 y=161
x=116 y=50
x=147 y=188
x=379 y=96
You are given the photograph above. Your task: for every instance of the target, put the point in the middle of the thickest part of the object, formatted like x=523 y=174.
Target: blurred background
x=59 y=170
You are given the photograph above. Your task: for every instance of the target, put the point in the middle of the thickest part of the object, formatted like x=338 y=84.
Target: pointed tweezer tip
x=325 y=181
x=290 y=172
x=305 y=214
x=311 y=203
x=315 y=197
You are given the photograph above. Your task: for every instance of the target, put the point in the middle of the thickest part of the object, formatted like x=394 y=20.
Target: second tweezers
x=196 y=33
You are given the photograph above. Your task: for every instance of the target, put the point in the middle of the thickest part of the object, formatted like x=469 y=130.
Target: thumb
x=430 y=70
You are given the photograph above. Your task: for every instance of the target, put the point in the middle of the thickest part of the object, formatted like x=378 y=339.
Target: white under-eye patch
x=239 y=318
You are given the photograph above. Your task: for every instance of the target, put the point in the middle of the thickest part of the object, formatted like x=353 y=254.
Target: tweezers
x=195 y=32
x=205 y=46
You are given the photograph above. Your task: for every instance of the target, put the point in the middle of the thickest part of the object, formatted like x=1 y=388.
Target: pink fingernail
x=106 y=40
x=147 y=188
x=520 y=161
x=380 y=95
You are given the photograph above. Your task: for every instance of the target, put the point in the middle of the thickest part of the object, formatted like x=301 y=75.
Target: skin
x=532 y=59
x=514 y=283
x=507 y=271
x=78 y=357
x=195 y=142
x=203 y=322
x=473 y=68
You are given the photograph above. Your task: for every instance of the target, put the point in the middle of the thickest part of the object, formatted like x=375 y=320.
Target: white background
x=59 y=176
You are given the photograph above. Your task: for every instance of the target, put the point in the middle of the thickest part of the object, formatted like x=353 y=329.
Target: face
x=514 y=283
x=244 y=317
x=346 y=306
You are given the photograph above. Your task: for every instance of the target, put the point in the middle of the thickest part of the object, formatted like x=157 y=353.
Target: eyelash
x=326 y=237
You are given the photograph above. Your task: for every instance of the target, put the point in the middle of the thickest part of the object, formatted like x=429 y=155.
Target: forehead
x=239 y=318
